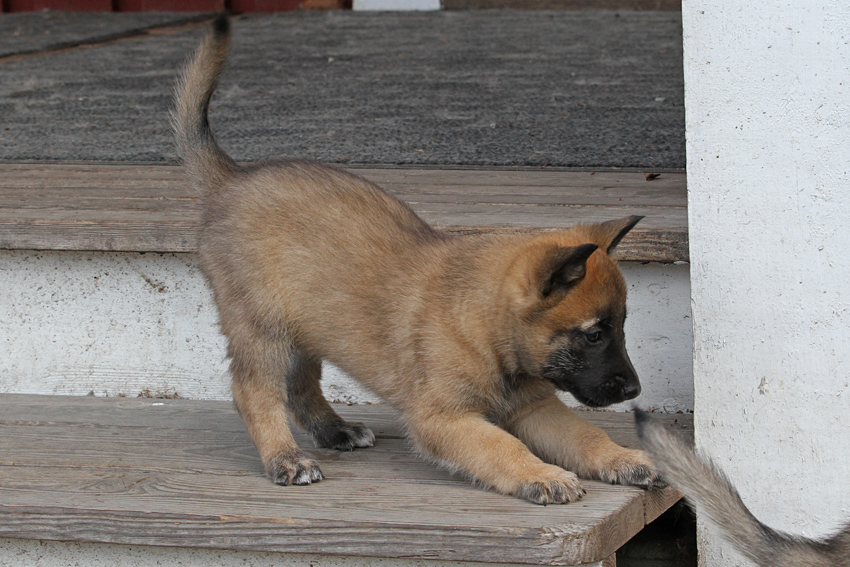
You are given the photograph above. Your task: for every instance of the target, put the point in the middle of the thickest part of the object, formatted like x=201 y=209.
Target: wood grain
x=184 y=473
x=151 y=208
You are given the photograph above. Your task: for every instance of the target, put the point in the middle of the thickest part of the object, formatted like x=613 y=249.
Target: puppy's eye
x=594 y=336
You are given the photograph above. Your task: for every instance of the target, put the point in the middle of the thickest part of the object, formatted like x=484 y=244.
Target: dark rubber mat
x=594 y=89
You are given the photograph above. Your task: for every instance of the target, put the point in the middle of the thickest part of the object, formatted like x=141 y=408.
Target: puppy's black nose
x=631 y=391
x=631 y=387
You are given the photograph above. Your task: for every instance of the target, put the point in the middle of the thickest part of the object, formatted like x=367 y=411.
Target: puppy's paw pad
x=346 y=437
x=556 y=487
x=294 y=469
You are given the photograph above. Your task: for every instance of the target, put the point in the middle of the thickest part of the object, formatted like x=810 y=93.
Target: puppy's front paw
x=344 y=437
x=632 y=467
x=293 y=468
x=551 y=485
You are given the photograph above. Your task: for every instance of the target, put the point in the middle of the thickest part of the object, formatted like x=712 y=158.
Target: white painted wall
x=767 y=99
x=123 y=323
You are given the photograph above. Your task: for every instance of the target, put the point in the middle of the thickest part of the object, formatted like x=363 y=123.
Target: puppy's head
x=571 y=307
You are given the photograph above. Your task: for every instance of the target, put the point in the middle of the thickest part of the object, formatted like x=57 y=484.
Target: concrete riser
x=130 y=324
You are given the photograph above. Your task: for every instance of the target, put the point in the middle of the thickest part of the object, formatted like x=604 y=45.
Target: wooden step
x=172 y=472
x=151 y=208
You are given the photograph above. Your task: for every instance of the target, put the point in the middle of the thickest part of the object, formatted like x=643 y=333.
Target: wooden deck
x=184 y=473
x=151 y=208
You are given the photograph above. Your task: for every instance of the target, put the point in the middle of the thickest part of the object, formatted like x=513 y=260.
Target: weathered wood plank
x=221 y=416
x=173 y=413
x=227 y=451
x=417 y=541
x=152 y=208
x=183 y=472
x=377 y=500
x=129 y=174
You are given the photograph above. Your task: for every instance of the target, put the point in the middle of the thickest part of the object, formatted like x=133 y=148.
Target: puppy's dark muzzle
x=626 y=377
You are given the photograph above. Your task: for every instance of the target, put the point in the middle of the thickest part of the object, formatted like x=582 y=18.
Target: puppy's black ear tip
x=583 y=252
x=221 y=24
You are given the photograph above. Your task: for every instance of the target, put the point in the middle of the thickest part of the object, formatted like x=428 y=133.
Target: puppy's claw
x=632 y=468
x=642 y=476
x=344 y=438
x=561 y=487
x=294 y=469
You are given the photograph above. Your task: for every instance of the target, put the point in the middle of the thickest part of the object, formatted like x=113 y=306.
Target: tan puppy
x=705 y=486
x=468 y=336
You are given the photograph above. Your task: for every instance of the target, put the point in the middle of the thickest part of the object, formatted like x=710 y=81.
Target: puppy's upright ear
x=563 y=268
x=610 y=233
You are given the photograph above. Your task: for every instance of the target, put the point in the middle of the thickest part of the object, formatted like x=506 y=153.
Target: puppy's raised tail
x=706 y=487
x=207 y=164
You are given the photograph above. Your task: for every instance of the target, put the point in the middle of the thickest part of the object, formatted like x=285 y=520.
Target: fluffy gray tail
x=706 y=487
x=208 y=165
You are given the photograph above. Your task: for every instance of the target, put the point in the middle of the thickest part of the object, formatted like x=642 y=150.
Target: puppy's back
x=321 y=254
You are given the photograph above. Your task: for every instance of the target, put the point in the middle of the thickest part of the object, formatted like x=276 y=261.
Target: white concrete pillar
x=767 y=98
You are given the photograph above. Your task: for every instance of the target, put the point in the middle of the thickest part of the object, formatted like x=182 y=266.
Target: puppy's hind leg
x=311 y=410
x=258 y=366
